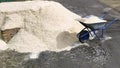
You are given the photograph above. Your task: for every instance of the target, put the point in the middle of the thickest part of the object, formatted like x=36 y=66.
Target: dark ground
x=98 y=55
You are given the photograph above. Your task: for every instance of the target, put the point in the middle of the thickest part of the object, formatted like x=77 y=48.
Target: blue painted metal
x=110 y=23
x=101 y=27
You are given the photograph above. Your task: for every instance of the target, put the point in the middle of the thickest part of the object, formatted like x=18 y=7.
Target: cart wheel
x=81 y=37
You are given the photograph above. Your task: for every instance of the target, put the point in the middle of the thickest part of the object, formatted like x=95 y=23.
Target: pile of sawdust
x=3 y=45
x=92 y=19
x=44 y=25
x=26 y=42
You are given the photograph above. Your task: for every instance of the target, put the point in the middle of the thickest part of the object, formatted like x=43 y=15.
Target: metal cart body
x=93 y=29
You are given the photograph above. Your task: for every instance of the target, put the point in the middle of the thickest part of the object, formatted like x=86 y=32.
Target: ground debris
x=11 y=59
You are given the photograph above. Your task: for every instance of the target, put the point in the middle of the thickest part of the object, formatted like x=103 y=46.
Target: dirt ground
x=11 y=59
x=98 y=55
x=112 y=3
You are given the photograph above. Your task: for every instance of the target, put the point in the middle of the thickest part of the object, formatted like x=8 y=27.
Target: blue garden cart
x=96 y=30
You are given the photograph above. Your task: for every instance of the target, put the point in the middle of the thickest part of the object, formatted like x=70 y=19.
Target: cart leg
x=103 y=32
x=96 y=35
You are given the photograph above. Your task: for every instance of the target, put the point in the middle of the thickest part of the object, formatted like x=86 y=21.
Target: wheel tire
x=80 y=34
